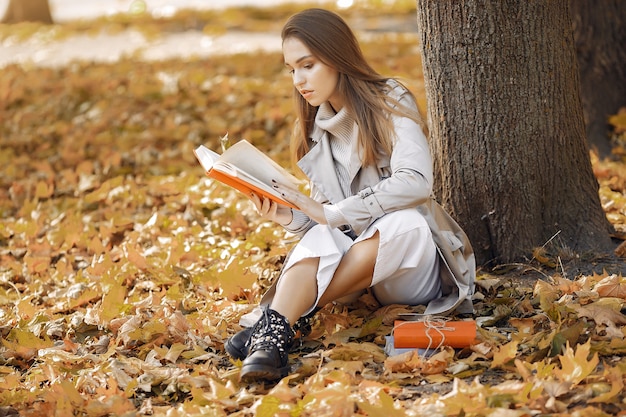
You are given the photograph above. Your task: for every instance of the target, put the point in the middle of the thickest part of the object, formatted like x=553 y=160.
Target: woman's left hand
x=307 y=205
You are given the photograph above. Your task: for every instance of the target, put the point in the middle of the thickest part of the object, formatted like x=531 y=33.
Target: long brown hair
x=331 y=40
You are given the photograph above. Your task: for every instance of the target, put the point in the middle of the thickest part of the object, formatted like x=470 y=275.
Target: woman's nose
x=298 y=79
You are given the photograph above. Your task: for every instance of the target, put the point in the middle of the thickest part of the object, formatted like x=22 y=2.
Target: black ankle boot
x=270 y=342
x=237 y=345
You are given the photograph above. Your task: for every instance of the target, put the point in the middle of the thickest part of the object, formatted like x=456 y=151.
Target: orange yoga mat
x=431 y=334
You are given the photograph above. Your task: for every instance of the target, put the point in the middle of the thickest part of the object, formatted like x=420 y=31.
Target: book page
x=256 y=164
x=247 y=169
x=206 y=157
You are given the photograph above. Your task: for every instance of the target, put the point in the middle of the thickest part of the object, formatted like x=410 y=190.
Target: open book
x=247 y=169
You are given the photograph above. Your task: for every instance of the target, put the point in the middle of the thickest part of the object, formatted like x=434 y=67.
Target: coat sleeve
x=410 y=182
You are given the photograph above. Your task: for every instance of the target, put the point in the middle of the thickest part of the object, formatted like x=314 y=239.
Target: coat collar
x=319 y=167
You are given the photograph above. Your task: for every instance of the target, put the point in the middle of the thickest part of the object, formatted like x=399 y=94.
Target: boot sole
x=253 y=372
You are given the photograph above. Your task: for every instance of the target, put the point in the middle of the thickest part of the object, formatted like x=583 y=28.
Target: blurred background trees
x=27 y=11
x=600 y=36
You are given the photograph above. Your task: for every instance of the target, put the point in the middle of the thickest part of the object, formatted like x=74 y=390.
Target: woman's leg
x=295 y=294
x=355 y=271
x=297 y=290
x=298 y=287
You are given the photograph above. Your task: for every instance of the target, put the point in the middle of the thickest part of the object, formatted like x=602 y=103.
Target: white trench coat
x=424 y=245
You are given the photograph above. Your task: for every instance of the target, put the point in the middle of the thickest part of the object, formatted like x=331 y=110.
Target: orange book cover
x=245 y=168
x=431 y=334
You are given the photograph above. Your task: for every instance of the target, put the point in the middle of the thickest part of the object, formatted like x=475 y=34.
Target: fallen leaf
x=612 y=286
x=502 y=355
x=604 y=316
x=615 y=378
x=575 y=366
x=383 y=406
x=412 y=362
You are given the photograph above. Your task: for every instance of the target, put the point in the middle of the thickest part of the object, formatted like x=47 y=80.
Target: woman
x=366 y=223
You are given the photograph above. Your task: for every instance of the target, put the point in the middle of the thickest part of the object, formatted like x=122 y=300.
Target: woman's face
x=316 y=81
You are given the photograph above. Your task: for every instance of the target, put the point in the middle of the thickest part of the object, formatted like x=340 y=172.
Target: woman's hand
x=307 y=205
x=270 y=210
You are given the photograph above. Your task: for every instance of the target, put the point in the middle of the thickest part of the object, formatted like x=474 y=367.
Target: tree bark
x=27 y=11
x=507 y=131
x=600 y=38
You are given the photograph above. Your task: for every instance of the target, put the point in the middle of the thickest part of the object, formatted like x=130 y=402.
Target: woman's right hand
x=270 y=210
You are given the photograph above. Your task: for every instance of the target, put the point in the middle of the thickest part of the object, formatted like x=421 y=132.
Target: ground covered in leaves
x=123 y=269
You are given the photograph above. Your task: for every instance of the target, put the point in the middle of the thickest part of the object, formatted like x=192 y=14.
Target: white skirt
x=407 y=265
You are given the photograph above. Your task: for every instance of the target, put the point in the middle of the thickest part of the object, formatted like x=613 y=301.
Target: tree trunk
x=27 y=11
x=600 y=38
x=506 y=123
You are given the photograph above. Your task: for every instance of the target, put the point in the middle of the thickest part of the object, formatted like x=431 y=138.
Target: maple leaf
x=383 y=407
x=612 y=286
x=504 y=354
x=352 y=368
x=547 y=294
x=351 y=351
x=405 y=362
x=327 y=395
x=392 y=312
x=604 y=316
x=575 y=366
x=24 y=344
x=412 y=362
x=615 y=378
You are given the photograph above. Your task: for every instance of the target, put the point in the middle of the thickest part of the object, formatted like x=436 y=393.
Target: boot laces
x=272 y=331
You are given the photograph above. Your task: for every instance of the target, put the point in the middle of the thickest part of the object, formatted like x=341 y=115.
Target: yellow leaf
x=504 y=354
x=174 y=352
x=113 y=301
x=357 y=351
x=44 y=190
x=135 y=257
x=220 y=391
x=351 y=367
x=542 y=369
x=333 y=399
x=404 y=362
x=604 y=316
x=24 y=344
x=37 y=264
x=383 y=407
x=26 y=309
x=68 y=390
x=95 y=246
x=540 y=255
x=148 y=331
x=618 y=121
x=412 y=362
x=612 y=286
x=525 y=327
x=615 y=379
x=283 y=390
x=268 y=407
x=84 y=298
x=574 y=366
x=547 y=294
